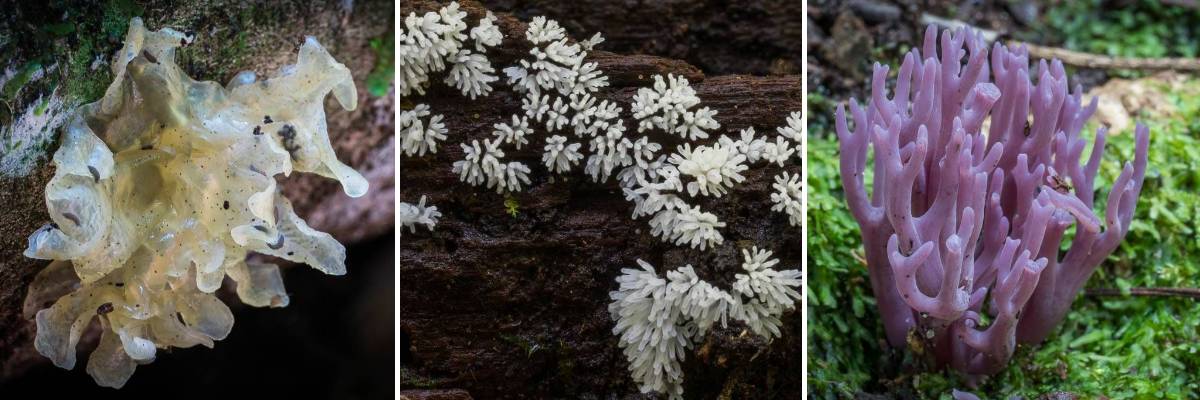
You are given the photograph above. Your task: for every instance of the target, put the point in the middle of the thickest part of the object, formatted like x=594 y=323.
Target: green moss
x=379 y=81
x=69 y=40
x=41 y=107
x=233 y=54
x=843 y=328
x=18 y=81
x=59 y=29
x=84 y=85
x=1145 y=28
x=116 y=18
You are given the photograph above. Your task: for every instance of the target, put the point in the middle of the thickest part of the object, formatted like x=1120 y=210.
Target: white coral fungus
x=482 y=165
x=471 y=73
x=556 y=64
x=411 y=215
x=560 y=155
x=514 y=133
x=787 y=197
x=716 y=168
x=794 y=128
x=429 y=42
x=667 y=105
x=659 y=319
x=418 y=137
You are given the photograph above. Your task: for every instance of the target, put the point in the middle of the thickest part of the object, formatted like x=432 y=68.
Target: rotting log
x=506 y=306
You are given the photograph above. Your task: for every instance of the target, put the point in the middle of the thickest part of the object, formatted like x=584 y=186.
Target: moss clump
x=379 y=81
x=1144 y=28
x=85 y=83
x=18 y=81
x=116 y=17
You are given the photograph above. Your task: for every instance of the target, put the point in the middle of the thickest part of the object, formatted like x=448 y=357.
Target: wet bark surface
x=504 y=306
x=271 y=345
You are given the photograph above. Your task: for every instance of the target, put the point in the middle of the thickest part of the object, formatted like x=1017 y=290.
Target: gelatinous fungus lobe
x=978 y=175
x=163 y=187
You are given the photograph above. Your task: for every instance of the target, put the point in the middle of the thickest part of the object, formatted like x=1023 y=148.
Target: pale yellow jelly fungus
x=162 y=188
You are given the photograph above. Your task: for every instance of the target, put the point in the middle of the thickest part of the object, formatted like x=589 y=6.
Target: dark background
x=333 y=341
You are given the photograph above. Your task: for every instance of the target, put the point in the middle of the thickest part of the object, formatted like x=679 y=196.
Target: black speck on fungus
x=288 y=135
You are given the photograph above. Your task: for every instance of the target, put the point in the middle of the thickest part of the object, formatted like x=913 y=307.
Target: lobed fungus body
x=163 y=187
x=965 y=221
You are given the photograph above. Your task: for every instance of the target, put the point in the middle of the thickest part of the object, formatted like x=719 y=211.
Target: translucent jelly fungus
x=163 y=187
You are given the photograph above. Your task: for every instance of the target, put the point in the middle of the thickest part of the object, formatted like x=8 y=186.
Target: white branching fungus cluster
x=482 y=165
x=515 y=133
x=411 y=215
x=430 y=42
x=557 y=86
x=656 y=187
x=787 y=197
x=417 y=136
x=556 y=64
x=666 y=107
x=715 y=169
x=560 y=156
x=788 y=193
x=659 y=319
x=558 y=89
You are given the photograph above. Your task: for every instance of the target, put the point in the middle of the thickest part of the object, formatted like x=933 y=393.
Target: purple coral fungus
x=963 y=229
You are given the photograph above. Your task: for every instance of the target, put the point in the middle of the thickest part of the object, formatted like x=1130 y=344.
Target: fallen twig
x=1148 y=292
x=1088 y=60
